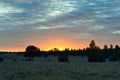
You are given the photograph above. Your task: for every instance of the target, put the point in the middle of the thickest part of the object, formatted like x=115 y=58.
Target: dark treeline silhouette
x=93 y=52
x=32 y=51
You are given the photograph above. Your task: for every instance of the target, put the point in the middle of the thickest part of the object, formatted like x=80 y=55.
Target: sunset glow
x=60 y=47
x=56 y=43
x=57 y=47
x=49 y=24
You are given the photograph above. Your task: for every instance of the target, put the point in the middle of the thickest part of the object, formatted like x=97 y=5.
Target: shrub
x=1 y=59
x=63 y=58
x=14 y=60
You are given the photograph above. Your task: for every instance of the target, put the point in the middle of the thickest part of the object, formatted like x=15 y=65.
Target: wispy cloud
x=116 y=32
x=81 y=19
x=7 y=9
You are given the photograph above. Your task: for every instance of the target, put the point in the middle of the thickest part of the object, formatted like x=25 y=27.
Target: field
x=14 y=67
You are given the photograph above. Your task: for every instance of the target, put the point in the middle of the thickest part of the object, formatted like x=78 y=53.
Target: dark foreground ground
x=14 y=67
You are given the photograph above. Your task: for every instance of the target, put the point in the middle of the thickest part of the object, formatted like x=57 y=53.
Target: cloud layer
x=23 y=21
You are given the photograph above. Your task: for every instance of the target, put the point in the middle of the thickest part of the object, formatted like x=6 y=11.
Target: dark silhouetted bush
x=31 y=52
x=94 y=53
x=14 y=60
x=1 y=59
x=63 y=57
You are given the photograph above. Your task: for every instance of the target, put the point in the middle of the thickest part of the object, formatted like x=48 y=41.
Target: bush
x=1 y=59
x=14 y=60
x=63 y=58
x=96 y=59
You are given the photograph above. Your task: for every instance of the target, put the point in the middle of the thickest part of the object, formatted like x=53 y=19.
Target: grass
x=50 y=69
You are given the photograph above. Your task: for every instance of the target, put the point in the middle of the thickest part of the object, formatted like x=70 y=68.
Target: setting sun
x=55 y=47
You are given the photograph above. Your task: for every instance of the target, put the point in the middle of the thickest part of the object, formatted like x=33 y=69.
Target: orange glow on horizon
x=49 y=45
x=60 y=45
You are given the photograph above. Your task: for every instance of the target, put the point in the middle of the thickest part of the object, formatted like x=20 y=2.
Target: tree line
x=93 y=52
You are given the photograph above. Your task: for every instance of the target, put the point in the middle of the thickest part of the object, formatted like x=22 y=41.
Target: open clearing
x=50 y=69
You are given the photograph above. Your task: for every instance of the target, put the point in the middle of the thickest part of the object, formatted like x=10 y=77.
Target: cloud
x=43 y=27
x=83 y=35
x=53 y=1
x=96 y=27
x=58 y=8
x=71 y=19
x=6 y=9
x=1 y=29
x=116 y=32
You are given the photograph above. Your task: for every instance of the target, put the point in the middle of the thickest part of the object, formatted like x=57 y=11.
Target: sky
x=58 y=23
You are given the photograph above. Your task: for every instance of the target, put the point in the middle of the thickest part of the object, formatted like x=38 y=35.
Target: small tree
x=115 y=54
x=105 y=47
x=106 y=52
x=31 y=51
x=94 y=54
x=92 y=45
x=111 y=46
x=117 y=47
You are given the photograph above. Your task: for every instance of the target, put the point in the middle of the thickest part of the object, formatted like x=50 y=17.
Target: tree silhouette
x=111 y=46
x=117 y=47
x=92 y=45
x=105 y=47
x=94 y=53
x=32 y=51
x=105 y=51
x=115 y=54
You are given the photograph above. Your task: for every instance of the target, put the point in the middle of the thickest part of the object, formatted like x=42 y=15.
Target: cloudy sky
x=58 y=23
